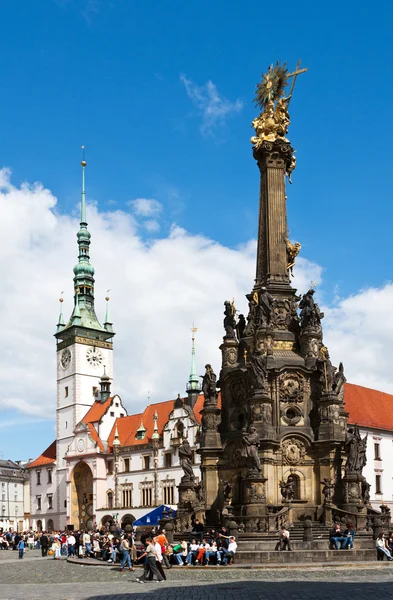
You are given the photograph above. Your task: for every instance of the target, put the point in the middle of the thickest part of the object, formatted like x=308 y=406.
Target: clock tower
x=84 y=348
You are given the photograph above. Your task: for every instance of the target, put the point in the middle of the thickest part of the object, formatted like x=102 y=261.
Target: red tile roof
x=95 y=437
x=368 y=408
x=97 y=411
x=47 y=457
x=126 y=427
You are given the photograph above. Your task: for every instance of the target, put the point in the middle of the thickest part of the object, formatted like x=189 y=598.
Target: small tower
x=155 y=435
x=193 y=388
x=105 y=387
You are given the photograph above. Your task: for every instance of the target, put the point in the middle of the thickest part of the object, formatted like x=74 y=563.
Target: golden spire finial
x=83 y=162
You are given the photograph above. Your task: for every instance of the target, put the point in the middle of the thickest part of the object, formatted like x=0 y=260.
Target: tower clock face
x=94 y=357
x=65 y=358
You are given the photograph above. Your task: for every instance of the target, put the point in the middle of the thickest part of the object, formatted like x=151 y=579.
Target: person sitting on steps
x=284 y=540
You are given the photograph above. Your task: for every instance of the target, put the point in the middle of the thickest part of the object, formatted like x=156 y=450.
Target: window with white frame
x=147 y=493
x=126 y=495
x=168 y=491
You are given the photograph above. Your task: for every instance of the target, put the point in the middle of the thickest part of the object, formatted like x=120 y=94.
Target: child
x=21 y=547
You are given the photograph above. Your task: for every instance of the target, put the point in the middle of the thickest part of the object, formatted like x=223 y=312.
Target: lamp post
x=16 y=518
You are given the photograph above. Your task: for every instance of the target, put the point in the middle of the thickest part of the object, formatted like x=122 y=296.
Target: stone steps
x=304 y=556
x=321 y=544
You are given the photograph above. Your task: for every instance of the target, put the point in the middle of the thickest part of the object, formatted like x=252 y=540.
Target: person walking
x=125 y=548
x=21 y=547
x=44 y=544
x=150 y=564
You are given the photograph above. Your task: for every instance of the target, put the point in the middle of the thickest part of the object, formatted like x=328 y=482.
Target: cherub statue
x=282 y=117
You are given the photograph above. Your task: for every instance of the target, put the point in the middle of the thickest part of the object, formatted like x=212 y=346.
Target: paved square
x=34 y=578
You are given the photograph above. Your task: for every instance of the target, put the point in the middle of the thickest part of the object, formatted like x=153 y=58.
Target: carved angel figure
x=292 y=252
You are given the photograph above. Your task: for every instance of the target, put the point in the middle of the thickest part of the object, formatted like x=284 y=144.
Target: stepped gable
x=46 y=458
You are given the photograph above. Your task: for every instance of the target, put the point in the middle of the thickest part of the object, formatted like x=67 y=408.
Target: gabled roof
x=97 y=411
x=95 y=437
x=47 y=457
x=368 y=408
x=126 y=427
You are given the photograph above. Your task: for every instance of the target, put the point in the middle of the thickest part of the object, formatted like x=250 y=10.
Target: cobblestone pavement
x=34 y=578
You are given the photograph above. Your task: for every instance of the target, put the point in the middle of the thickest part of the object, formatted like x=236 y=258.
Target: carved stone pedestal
x=353 y=500
x=261 y=406
x=191 y=498
x=229 y=351
x=332 y=418
x=254 y=501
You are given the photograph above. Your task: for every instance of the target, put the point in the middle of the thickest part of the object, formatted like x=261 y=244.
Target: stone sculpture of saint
x=265 y=307
x=355 y=447
x=209 y=384
x=310 y=314
x=240 y=327
x=328 y=490
x=185 y=456
x=250 y=448
x=257 y=371
x=229 y=319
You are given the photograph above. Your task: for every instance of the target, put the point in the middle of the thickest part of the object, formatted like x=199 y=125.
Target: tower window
x=377 y=455
x=66 y=391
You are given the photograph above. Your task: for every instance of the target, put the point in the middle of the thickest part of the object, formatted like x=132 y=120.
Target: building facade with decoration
x=106 y=465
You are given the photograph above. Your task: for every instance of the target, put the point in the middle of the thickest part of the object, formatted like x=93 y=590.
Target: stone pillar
x=229 y=351
x=332 y=418
x=261 y=407
x=254 y=501
x=273 y=160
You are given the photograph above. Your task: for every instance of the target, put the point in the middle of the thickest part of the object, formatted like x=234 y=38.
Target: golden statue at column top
x=274 y=120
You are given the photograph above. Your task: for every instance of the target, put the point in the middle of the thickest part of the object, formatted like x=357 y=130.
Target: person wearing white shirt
x=71 y=541
x=192 y=554
x=158 y=548
x=229 y=552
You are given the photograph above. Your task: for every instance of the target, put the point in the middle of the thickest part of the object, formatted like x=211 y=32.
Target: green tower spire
x=61 y=323
x=83 y=316
x=193 y=385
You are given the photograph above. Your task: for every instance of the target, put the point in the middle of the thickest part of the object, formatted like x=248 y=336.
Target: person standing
x=71 y=541
x=157 y=546
x=150 y=564
x=21 y=547
x=44 y=544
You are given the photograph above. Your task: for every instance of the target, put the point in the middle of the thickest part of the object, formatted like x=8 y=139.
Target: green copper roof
x=193 y=381
x=84 y=314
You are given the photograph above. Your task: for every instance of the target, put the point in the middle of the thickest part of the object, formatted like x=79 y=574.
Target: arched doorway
x=51 y=526
x=82 y=509
x=127 y=521
x=39 y=525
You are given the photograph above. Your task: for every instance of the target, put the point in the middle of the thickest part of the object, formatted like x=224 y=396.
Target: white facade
x=379 y=468
x=12 y=485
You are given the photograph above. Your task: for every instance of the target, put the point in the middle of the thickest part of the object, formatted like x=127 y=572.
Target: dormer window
x=141 y=432
x=179 y=429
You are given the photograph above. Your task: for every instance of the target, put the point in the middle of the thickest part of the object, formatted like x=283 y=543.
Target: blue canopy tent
x=154 y=516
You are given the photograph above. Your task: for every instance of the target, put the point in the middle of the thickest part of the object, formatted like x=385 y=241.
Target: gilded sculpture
x=273 y=122
x=292 y=252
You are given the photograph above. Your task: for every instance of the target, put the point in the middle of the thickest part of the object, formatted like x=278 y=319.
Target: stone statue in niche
x=288 y=489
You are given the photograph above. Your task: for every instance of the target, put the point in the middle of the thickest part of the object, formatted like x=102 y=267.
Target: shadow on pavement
x=257 y=590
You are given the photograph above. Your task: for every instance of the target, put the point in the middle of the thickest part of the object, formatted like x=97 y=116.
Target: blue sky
x=129 y=79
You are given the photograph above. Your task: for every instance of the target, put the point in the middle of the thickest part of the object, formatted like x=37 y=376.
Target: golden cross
x=294 y=74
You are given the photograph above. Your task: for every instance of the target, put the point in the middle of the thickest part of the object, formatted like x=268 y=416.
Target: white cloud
x=151 y=225
x=213 y=108
x=144 y=207
x=159 y=289
x=358 y=331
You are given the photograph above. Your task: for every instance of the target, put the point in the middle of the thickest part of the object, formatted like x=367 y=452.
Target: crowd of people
x=202 y=548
